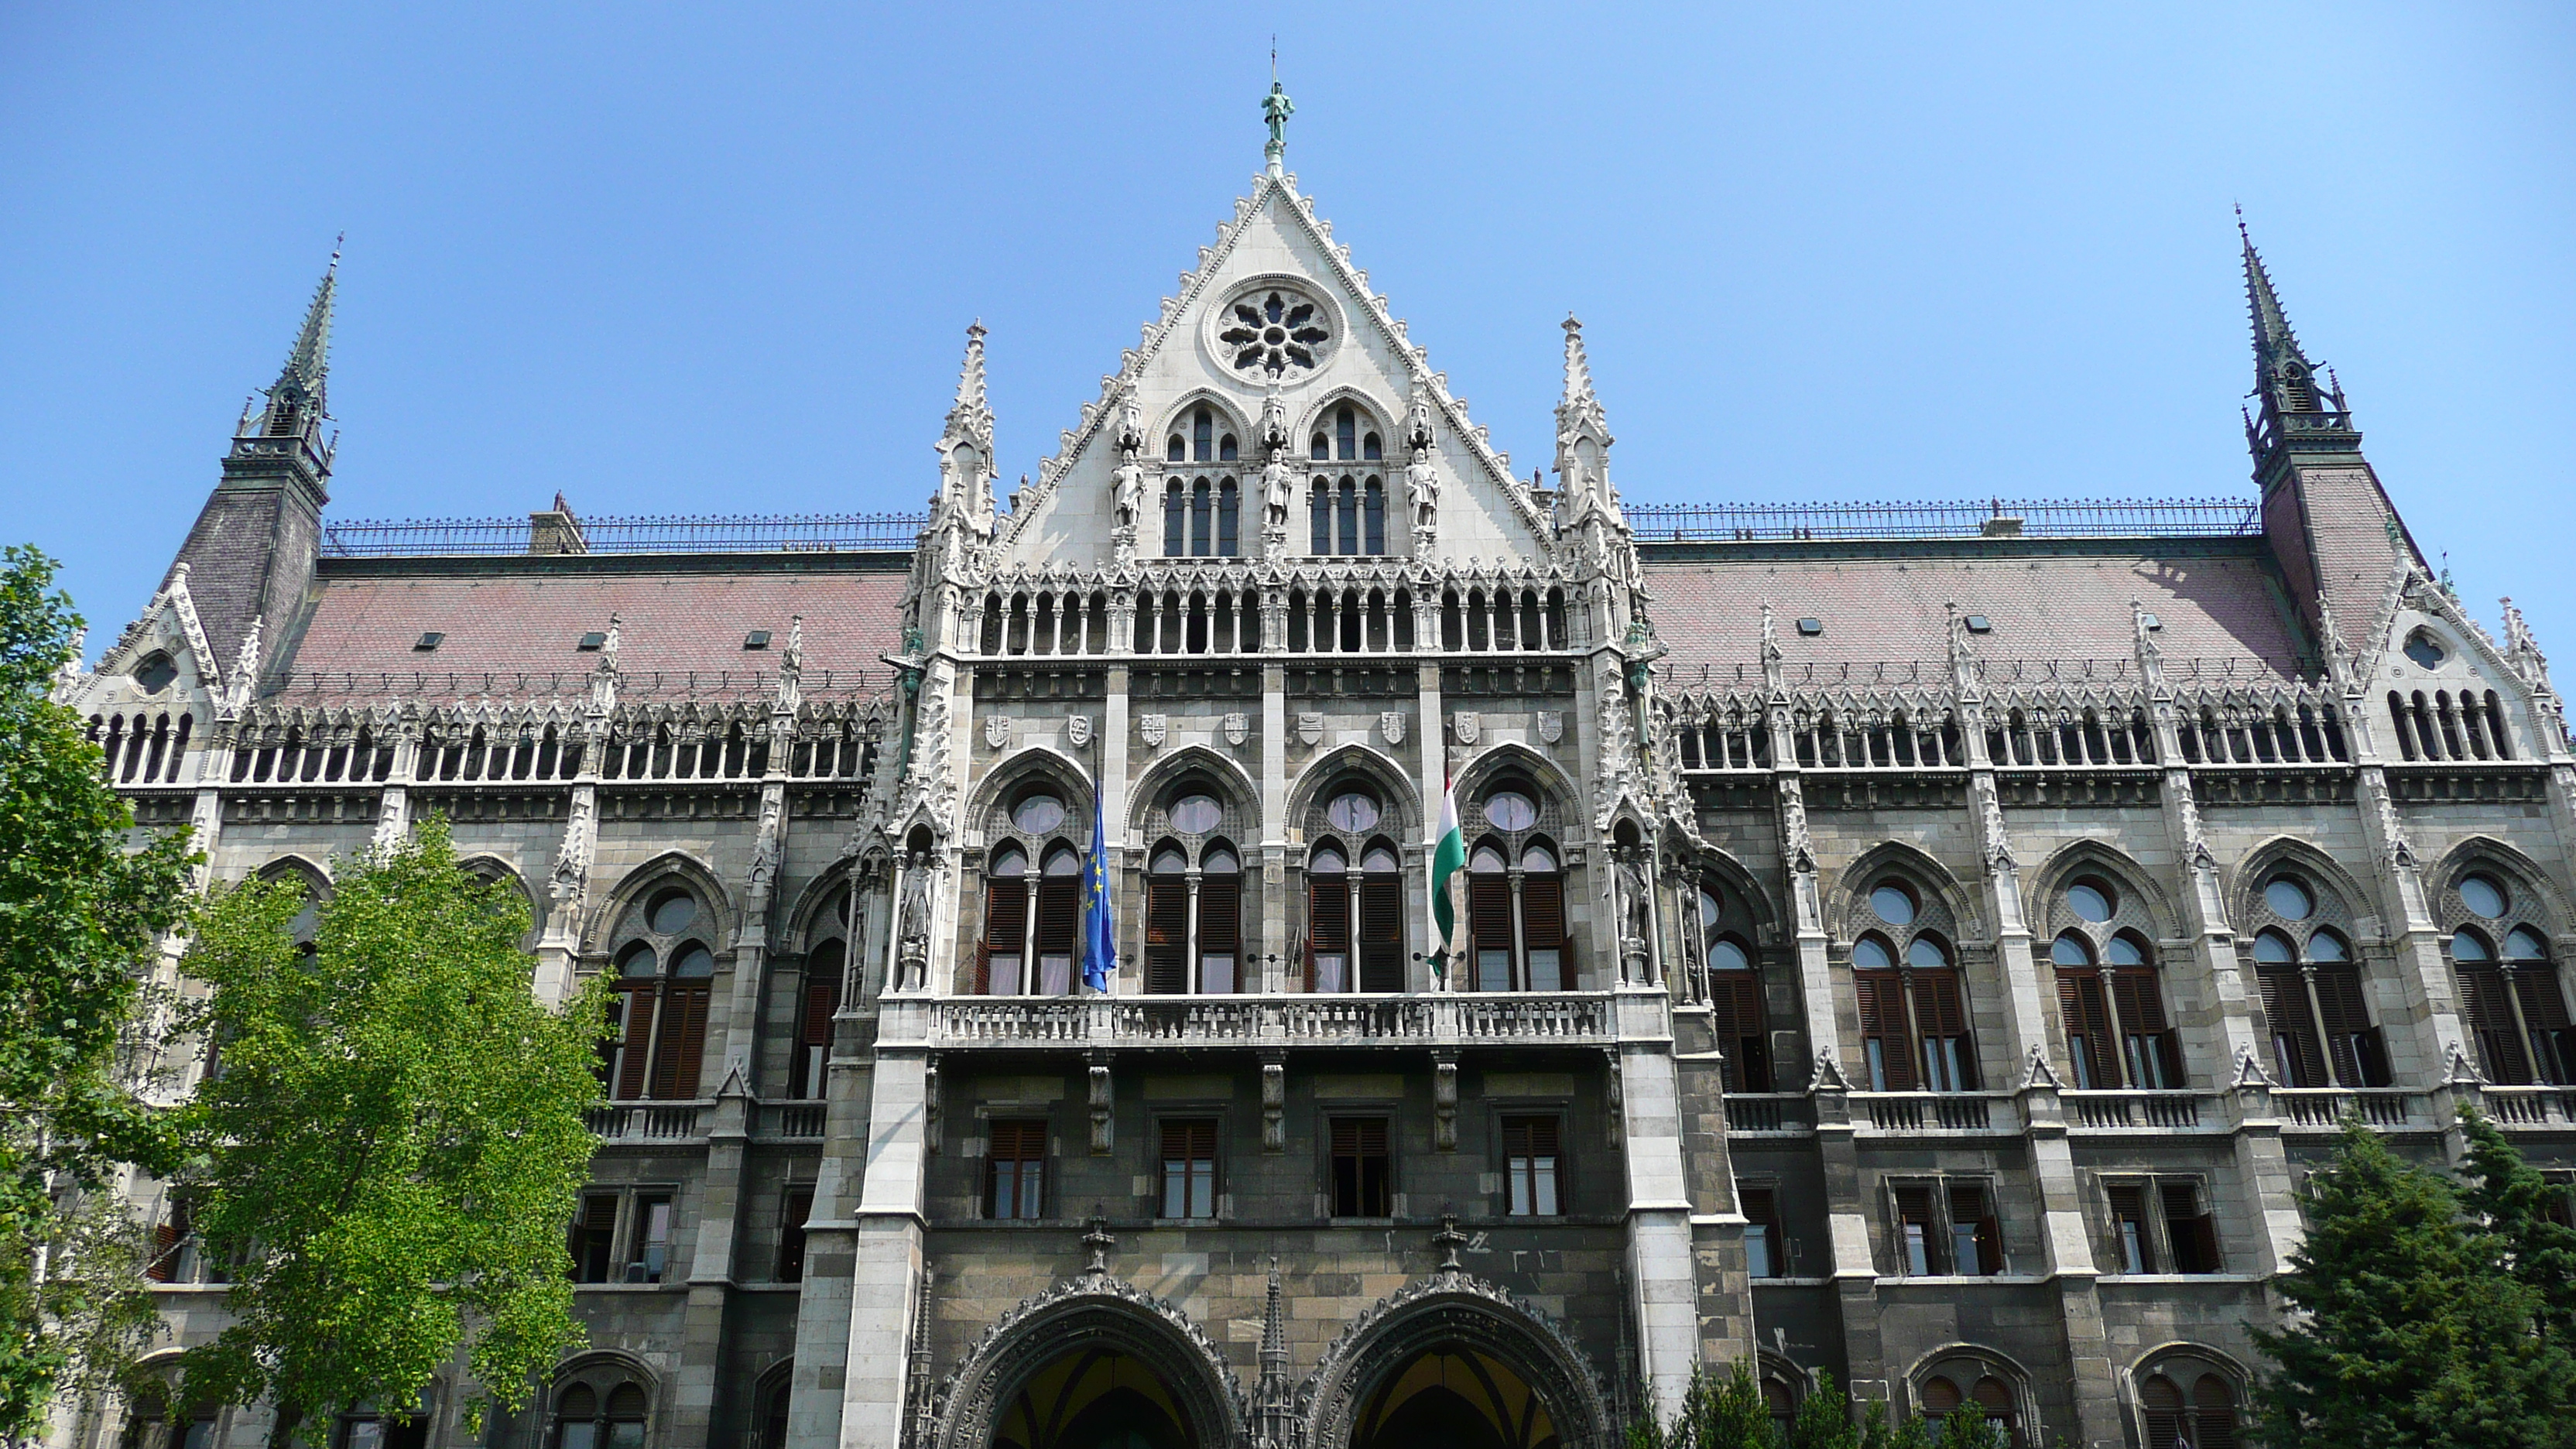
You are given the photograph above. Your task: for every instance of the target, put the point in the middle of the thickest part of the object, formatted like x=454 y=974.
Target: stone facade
x=1930 y=960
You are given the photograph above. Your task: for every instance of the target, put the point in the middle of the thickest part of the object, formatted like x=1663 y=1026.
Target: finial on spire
x=1276 y=108
x=970 y=418
x=1580 y=406
x=309 y=363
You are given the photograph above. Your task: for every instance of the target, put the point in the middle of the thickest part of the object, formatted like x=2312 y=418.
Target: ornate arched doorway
x=1453 y=1362
x=1093 y=1364
x=1094 y=1398
x=1455 y=1397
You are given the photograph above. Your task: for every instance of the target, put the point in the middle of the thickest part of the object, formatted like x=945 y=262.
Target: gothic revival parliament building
x=1921 y=944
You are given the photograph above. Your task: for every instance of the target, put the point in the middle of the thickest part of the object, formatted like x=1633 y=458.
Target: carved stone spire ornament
x=1099 y=1244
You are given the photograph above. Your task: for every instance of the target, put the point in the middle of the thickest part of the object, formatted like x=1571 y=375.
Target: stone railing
x=1292 y=1019
x=646 y=1121
x=2529 y=1106
x=2159 y=1111
x=1767 y=1113
x=1936 y=1112
x=792 y=1121
x=2324 y=1108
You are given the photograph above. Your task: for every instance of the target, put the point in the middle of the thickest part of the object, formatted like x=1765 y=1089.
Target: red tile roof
x=2061 y=608
x=680 y=631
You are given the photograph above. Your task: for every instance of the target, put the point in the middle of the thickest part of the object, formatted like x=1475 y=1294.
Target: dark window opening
x=1361 y=1168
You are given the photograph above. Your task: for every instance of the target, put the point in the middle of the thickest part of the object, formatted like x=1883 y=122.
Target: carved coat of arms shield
x=1077 y=730
x=1465 y=726
x=1156 y=728
x=997 y=731
x=1390 y=725
x=1237 y=728
x=1310 y=729
x=1551 y=725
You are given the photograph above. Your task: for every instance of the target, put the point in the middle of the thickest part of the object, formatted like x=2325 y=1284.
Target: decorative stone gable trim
x=1453 y=1306
x=1094 y=1310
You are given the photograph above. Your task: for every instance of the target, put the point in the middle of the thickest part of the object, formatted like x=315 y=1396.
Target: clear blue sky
x=692 y=259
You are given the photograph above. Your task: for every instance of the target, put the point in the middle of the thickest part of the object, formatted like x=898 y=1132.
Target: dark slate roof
x=2052 y=603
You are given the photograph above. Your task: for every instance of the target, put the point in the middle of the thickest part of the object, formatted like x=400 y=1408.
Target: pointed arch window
x=2205 y=1420
x=1202 y=517
x=2108 y=996
x=2515 y=1006
x=1323 y=517
x=1174 y=520
x=1913 y=1018
x=1032 y=899
x=1736 y=1012
x=2322 y=1035
x=1516 y=917
x=665 y=978
x=1345 y=433
x=1373 y=517
x=820 y=1001
x=1228 y=519
x=1202 y=436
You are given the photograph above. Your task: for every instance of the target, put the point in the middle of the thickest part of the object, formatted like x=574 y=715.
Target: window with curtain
x=1189 y=1168
x=1015 y=1153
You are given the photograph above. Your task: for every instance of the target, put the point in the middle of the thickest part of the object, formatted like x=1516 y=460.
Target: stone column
x=1273 y=900
x=831 y=1234
x=887 y=1233
x=1661 y=1270
x=1431 y=729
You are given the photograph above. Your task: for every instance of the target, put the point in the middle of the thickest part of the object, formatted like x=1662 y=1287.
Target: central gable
x=1274 y=334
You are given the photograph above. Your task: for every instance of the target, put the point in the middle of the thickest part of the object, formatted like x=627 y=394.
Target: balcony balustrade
x=2324 y=1108
x=647 y=1121
x=1934 y=1113
x=1288 y=1020
x=2122 y=1111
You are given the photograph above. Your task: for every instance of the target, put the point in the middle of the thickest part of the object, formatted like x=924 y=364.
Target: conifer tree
x=2529 y=1215
x=2409 y=1330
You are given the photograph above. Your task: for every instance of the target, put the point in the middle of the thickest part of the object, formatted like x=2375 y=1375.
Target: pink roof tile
x=2059 y=608
x=675 y=625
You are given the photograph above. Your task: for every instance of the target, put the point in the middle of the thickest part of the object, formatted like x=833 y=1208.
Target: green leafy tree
x=2516 y=1204
x=1824 y=1419
x=81 y=916
x=2410 y=1330
x=393 y=1142
x=1716 y=1413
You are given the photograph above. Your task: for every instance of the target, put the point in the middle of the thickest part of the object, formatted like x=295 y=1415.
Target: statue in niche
x=1274 y=425
x=914 y=933
x=1129 y=500
x=1635 y=900
x=1421 y=481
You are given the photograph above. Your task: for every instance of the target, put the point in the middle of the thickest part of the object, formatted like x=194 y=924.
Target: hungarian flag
x=1448 y=857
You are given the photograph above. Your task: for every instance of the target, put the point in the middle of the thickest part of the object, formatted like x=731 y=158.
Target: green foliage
x=2514 y=1202
x=81 y=915
x=1824 y=1419
x=2411 y=1327
x=394 y=1142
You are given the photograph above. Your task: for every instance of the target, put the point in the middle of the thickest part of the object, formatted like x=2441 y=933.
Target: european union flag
x=1099 y=937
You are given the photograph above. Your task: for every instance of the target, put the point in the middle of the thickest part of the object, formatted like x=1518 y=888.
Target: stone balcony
x=1276 y=1021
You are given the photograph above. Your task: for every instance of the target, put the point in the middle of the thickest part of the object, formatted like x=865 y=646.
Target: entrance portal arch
x=1094 y=1364
x=1454 y=1362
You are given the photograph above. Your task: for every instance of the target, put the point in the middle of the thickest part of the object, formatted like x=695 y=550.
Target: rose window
x=1274 y=333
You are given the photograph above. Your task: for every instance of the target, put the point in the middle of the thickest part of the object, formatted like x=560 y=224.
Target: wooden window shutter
x=822 y=999
x=983 y=968
x=2543 y=1005
x=640 y=1008
x=1489 y=911
x=1543 y=919
x=2129 y=1214
x=2347 y=1025
x=2285 y=1006
x=1006 y=914
x=1882 y=1020
x=1220 y=913
x=1382 y=933
x=1940 y=1012
x=2490 y=1013
x=1328 y=913
x=2142 y=1006
x=682 y=1042
x=1167 y=933
x=1742 y=1029
x=2195 y=1237
x=2079 y=998
x=1059 y=911
x=1189 y=1141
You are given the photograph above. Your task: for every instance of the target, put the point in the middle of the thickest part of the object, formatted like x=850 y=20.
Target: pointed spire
x=2273 y=339
x=1580 y=401
x=310 y=362
x=966 y=443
